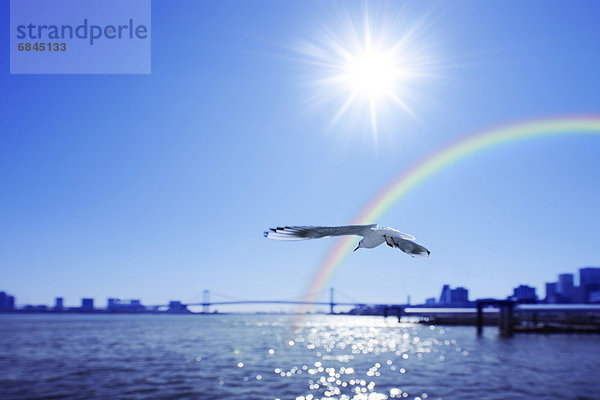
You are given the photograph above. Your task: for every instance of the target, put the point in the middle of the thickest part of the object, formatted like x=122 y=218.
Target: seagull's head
x=360 y=244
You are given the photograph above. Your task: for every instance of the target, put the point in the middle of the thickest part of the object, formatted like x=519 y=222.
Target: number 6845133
x=42 y=46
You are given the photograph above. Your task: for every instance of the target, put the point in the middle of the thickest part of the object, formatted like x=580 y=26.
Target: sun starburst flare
x=368 y=69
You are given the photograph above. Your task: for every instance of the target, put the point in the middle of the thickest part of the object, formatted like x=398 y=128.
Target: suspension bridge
x=207 y=303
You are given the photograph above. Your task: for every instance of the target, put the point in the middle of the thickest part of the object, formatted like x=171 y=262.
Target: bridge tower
x=205 y=301
x=331 y=301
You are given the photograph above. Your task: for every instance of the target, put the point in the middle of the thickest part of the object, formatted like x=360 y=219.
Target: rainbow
x=411 y=177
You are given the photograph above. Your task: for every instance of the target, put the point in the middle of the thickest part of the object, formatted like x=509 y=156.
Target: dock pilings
x=506 y=315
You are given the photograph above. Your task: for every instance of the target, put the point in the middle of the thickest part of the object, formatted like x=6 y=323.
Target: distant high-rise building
x=525 y=294
x=135 y=305
x=113 y=304
x=87 y=304
x=7 y=302
x=551 y=295
x=594 y=297
x=177 y=307
x=430 y=301
x=589 y=281
x=118 y=305
x=578 y=295
x=564 y=287
x=589 y=275
x=445 y=296
x=459 y=296
x=454 y=297
x=58 y=304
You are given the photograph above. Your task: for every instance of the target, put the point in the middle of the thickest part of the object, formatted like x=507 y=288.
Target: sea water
x=102 y=356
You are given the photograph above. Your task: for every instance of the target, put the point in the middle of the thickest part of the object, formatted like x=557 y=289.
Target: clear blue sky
x=159 y=186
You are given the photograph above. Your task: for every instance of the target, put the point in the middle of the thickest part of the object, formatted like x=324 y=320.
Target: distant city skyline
x=561 y=292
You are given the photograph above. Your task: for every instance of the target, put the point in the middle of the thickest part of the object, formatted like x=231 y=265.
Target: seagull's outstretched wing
x=315 y=232
x=408 y=246
x=393 y=232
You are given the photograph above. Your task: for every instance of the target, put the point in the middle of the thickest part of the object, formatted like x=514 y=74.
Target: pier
x=506 y=320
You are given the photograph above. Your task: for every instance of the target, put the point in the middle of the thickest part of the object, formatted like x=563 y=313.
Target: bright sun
x=370 y=73
x=366 y=71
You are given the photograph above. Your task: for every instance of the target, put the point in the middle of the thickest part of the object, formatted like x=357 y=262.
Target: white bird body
x=373 y=236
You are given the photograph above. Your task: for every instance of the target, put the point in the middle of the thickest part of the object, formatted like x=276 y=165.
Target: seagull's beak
x=356 y=248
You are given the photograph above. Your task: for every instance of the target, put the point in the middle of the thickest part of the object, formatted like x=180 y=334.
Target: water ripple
x=260 y=357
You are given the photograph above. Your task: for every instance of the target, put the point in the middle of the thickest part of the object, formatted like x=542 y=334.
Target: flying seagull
x=373 y=235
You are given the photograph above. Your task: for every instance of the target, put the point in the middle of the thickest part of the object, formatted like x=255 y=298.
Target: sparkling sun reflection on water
x=347 y=351
x=249 y=356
